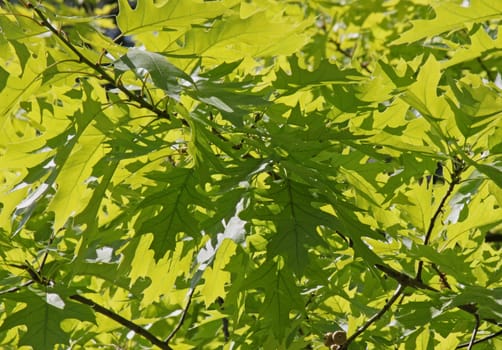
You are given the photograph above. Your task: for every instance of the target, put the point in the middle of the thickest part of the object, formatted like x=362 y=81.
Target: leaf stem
x=403 y=278
x=124 y=322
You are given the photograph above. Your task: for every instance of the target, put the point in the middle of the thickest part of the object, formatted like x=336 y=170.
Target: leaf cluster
x=250 y=174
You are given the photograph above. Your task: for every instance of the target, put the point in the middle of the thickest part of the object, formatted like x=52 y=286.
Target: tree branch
x=96 y=66
x=407 y=281
x=40 y=279
x=348 y=54
x=457 y=171
x=124 y=322
x=488 y=337
x=224 y=320
x=474 y=332
x=442 y=277
x=403 y=278
x=376 y=317
x=184 y=313
x=15 y=289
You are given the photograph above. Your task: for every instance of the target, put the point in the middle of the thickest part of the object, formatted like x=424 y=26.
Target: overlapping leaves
x=227 y=162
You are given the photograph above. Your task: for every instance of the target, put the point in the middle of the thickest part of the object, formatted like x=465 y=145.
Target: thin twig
x=488 y=337
x=46 y=254
x=348 y=54
x=454 y=181
x=224 y=320
x=98 y=308
x=338 y=46
x=15 y=289
x=403 y=278
x=96 y=66
x=184 y=313
x=474 y=332
x=376 y=317
x=473 y=310
x=442 y=277
x=124 y=322
x=407 y=281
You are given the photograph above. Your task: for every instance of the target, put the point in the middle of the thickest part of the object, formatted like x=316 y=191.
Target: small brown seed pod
x=339 y=338
x=328 y=338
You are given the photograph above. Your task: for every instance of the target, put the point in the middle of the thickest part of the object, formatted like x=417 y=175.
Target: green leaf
x=148 y=16
x=164 y=75
x=422 y=95
x=3 y=78
x=481 y=44
x=233 y=100
x=493 y=171
x=451 y=16
x=70 y=168
x=237 y=37
x=228 y=173
x=476 y=109
x=171 y=207
x=326 y=74
x=281 y=294
x=485 y=300
x=215 y=276
x=295 y=223
x=42 y=316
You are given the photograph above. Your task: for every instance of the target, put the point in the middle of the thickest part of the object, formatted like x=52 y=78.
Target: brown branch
x=15 y=289
x=488 y=337
x=123 y=321
x=403 y=278
x=457 y=170
x=442 y=277
x=492 y=237
x=224 y=321
x=404 y=281
x=184 y=313
x=376 y=317
x=348 y=54
x=35 y=275
x=407 y=281
x=46 y=254
x=474 y=332
x=96 y=66
x=338 y=46
x=473 y=310
x=40 y=279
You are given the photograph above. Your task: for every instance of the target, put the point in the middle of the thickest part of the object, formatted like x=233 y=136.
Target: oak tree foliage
x=188 y=174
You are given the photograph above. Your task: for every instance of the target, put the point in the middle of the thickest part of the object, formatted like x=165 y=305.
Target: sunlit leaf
x=451 y=16
x=250 y=174
x=42 y=316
